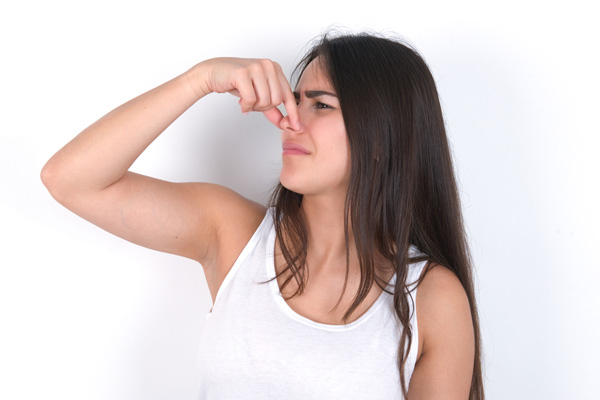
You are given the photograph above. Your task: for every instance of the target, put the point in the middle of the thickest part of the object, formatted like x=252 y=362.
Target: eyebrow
x=311 y=94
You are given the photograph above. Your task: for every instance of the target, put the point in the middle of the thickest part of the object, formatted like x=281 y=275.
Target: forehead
x=314 y=77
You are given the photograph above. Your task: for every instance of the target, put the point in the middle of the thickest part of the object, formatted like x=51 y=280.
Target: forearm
x=101 y=154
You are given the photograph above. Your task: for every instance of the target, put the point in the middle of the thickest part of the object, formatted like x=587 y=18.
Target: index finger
x=289 y=101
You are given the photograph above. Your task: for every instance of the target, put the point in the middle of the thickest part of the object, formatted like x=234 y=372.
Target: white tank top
x=254 y=346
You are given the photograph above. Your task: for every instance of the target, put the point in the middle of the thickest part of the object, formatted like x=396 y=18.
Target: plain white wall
x=85 y=315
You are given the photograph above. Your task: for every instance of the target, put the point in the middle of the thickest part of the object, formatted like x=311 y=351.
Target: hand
x=259 y=83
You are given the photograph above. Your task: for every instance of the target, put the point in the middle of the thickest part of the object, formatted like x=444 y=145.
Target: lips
x=291 y=148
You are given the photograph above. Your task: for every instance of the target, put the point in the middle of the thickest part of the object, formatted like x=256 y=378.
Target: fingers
x=262 y=86
x=274 y=116
x=289 y=100
x=247 y=96
x=261 y=100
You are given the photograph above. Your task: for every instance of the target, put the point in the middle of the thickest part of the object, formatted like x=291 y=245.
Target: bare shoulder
x=233 y=217
x=444 y=313
x=239 y=217
x=226 y=205
x=446 y=337
x=441 y=294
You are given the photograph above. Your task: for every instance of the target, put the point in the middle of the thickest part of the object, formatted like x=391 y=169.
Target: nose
x=287 y=126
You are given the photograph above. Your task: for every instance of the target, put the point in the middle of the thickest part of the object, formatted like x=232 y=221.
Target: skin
x=322 y=176
x=211 y=224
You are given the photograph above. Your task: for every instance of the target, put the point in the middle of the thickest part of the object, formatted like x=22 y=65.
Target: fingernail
x=298 y=125
x=245 y=112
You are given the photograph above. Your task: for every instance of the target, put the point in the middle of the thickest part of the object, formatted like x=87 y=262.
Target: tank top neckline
x=286 y=309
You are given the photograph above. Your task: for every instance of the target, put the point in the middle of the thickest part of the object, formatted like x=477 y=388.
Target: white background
x=84 y=315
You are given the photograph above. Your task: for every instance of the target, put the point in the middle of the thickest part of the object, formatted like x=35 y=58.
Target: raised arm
x=90 y=174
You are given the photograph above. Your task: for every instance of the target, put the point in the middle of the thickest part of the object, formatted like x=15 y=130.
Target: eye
x=320 y=105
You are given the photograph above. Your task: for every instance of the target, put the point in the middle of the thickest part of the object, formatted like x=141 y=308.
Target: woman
x=315 y=297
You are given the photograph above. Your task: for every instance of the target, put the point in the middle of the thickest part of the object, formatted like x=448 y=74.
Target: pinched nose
x=286 y=125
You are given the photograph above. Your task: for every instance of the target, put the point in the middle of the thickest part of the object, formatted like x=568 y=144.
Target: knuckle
x=264 y=102
x=242 y=73
x=278 y=68
x=276 y=98
x=249 y=98
x=268 y=65
x=254 y=67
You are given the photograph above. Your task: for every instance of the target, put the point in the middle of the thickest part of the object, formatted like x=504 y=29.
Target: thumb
x=274 y=116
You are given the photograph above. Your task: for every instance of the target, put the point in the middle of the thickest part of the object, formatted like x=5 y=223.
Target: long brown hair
x=402 y=187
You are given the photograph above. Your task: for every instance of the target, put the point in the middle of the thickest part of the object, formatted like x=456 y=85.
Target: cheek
x=328 y=168
x=341 y=143
x=337 y=161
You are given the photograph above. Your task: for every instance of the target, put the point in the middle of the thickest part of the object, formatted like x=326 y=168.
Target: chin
x=297 y=181
x=290 y=184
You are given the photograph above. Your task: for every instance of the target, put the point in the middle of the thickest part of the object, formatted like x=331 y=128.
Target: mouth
x=290 y=148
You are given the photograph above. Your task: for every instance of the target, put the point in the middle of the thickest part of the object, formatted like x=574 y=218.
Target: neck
x=324 y=219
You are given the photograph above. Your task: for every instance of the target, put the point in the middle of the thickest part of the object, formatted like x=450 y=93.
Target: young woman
x=316 y=297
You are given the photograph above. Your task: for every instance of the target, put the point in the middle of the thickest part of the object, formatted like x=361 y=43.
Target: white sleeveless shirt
x=254 y=346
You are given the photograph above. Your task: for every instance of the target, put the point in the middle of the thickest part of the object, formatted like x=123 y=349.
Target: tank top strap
x=261 y=233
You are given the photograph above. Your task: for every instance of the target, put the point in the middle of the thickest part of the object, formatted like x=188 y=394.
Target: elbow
x=46 y=175
x=51 y=179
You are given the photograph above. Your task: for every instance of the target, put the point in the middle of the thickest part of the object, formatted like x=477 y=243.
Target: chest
x=255 y=345
x=250 y=351
x=324 y=298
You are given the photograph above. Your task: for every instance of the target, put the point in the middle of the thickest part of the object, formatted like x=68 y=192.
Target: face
x=316 y=157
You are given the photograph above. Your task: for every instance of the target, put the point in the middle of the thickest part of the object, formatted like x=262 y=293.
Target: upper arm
x=178 y=218
x=445 y=366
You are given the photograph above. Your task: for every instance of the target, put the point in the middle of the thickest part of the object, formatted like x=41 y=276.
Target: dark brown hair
x=402 y=187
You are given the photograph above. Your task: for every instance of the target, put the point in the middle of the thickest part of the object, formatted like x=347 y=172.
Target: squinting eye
x=321 y=105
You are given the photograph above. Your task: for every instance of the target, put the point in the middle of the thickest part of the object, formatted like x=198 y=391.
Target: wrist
x=197 y=78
